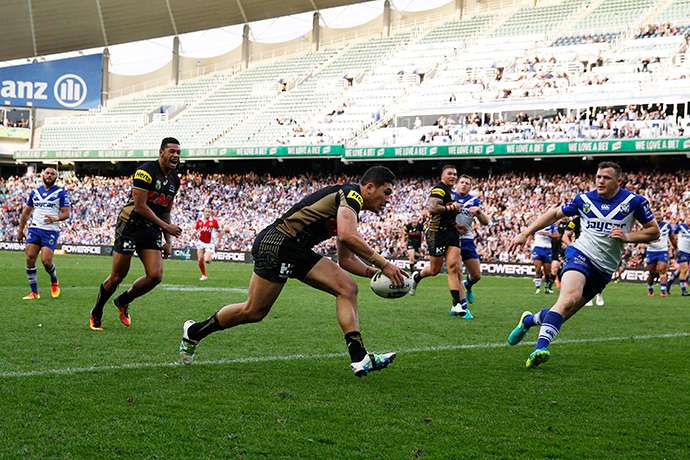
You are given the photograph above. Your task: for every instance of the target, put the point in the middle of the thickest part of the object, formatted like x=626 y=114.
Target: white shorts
x=210 y=247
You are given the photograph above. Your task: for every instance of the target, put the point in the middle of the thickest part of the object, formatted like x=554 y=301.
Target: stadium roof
x=44 y=27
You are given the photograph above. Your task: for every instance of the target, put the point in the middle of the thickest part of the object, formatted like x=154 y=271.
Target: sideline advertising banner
x=71 y=84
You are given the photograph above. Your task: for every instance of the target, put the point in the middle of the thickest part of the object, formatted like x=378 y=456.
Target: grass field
x=616 y=385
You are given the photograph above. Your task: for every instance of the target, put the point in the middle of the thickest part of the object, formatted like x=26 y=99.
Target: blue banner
x=73 y=84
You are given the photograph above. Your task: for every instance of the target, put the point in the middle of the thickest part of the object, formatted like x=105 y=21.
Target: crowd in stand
x=245 y=204
x=659 y=30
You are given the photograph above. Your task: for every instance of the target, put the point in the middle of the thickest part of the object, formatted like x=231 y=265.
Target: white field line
x=261 y=359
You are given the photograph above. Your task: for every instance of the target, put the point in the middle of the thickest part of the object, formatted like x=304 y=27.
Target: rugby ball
x=383 y=287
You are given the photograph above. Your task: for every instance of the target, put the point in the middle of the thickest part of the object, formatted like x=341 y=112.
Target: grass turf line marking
x=261 y=359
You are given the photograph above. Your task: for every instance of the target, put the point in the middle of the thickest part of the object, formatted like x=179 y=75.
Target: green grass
x=616 y=385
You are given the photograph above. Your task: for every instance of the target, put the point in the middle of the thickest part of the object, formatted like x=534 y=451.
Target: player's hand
x=173 y=230
x=518 y=241
x=49 y=219
x=20 y=235
x=473 y=210
x=396 y=274
x=462 y=228
x=618 y=234
x=167 y=249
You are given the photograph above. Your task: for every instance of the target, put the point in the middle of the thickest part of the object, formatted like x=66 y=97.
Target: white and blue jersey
x=543 y=241
x=47 y=203
x=598 y=217
x=464 y=217
x=683 y=232
x=661 y=245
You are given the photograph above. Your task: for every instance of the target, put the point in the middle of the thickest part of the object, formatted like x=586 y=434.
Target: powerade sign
x=73 y=84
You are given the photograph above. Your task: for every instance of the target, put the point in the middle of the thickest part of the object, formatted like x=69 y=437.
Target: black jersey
x=314 y=218
x=574 y=226
x=445 y=221
x=414 y=233
x=562 y=228
x=161 y=191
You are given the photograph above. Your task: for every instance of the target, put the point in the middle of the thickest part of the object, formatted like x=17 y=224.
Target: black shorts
x=415 y=246
x=278 y=257
x=439 y=242
x=130 y=237
x=558 y=253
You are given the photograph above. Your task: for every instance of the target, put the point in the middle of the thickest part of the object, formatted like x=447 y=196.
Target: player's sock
x=103 y=296
x=535 y=319
x=53 y=274
x=549 y=328
x=455 y=294
x=124 y=298
x=33 y=282
x=355 y=346
x=202 y=267
x=663 y=288
x=470 y=282
x=463 y=304
x=198 y=331
x=417 y=279
x=650 y=287
x=671 y=278
x=537 y=283
x=683 y=285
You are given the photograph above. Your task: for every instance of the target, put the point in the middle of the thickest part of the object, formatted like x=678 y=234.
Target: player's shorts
x=439 y=242
x=209 y=247
x=557 y=253
x=416 y=246
x=42 y=238
x=468 y=249
x=596 y=279
x=543 y=254
x=278 y=257
x=130 y=238
x=656 y=256
x=683 y=257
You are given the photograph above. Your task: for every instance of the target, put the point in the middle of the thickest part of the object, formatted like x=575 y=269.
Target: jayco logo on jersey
x=600 y=226
x=70 y=90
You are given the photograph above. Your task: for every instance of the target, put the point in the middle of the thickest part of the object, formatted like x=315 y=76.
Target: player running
x=541 y=257
x=469 y=208
x=657 y=255
x=208 y=229
x=284 y=250
x=49 y=204
x=414 y=231
x=682 y=233
x=443 y=240
x=138 y=228
x=607 y=216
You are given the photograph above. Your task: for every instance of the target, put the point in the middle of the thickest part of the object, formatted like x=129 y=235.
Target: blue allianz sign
x=73 y=84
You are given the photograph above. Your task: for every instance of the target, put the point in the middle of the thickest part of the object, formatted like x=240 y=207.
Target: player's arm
x=26 y=213
x=350 y=244
x=142 y=208
x=436 y=206
x=674 y=242
x=479 y=213
x=568 y=237
x=64 y=215
x=549 y=217
x=650 y=232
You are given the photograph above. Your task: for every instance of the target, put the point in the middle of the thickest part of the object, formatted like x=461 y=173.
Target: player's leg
x=118 y=272
x=455 y=284
x=555 y=267
x=208 y=256
x=683 y=276
x=474 y=272
x=651 y=269
x=570 y=301
x=547 y=278
x=411 y=257
x=329 y=277
x=663 y=269
x=200 y=255
x=537 y=275
x=49 y=266
x=152 y=260
x=433 y=269
x=32 y=250
x=260 y=298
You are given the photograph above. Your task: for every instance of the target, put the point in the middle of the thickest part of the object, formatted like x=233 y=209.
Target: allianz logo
x=69 y=90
